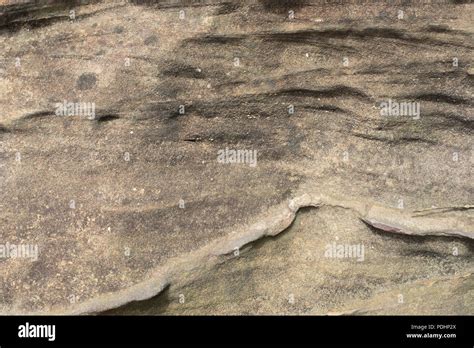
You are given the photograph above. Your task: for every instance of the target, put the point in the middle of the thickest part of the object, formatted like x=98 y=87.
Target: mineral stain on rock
x=150 y=40
x=86 y=81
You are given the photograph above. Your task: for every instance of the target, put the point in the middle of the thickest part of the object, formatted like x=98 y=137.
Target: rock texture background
x=173 y=83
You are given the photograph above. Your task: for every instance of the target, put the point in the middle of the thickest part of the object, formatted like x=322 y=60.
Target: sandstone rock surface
x=135 y=209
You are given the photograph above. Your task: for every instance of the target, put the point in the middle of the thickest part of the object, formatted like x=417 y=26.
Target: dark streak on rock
x=107 y=118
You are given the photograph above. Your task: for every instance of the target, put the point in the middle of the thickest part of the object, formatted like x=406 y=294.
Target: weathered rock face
x=147 y=147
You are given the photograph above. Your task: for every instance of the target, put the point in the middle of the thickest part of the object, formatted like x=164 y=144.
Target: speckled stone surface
x=224 y=157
